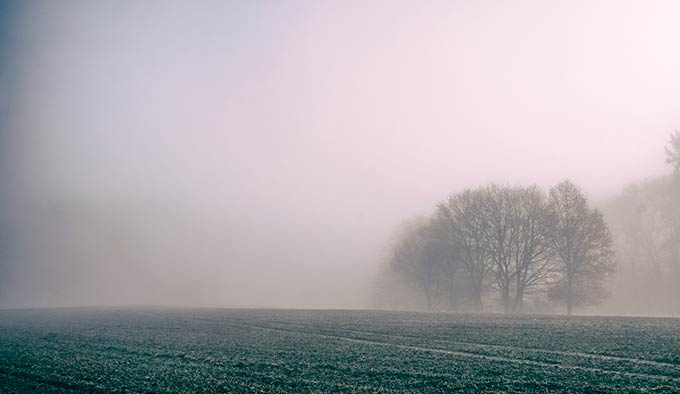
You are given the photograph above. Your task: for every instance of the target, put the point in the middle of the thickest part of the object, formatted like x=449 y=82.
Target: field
x=321 y=351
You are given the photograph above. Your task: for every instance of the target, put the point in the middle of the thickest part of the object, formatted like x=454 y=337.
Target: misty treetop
x=500 y=245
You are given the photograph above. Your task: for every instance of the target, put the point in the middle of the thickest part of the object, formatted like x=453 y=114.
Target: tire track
x=462 y=354
x=595 y=356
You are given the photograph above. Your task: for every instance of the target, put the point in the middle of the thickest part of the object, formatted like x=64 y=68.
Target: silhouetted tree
x=518 y=225
x=532 y=252
x=517 y=240
x=673 y=151
x=501 y=232
x=461 y=224
x=671 y=207
x=583 y=246
x=439 y=251
x=418 y=260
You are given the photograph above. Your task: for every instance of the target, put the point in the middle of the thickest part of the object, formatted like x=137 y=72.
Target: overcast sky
x=290 y=137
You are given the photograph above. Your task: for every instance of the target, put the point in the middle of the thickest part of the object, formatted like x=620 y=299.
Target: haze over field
x=261 y=153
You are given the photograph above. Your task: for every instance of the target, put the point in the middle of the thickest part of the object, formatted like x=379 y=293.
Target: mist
x=262 y=153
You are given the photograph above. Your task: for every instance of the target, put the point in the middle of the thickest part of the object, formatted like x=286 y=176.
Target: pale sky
x=295 y=135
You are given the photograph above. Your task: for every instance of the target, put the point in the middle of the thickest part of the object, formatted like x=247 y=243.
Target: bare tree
x=461 y=225
x=583 y=246
x=645 y=223
x=637 y=222
x=501 y=234
x=673 y=151
x=518 y=225
x=437 y=251
x=417 y=260
x=515 y=239
x=532 y=254
x=671 y=206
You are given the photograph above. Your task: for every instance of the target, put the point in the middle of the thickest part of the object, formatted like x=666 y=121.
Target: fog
x=261 y=153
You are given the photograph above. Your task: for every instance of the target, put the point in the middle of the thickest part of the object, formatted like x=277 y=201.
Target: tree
x=417 y=259
x=500 y=235
x=532 y=254
x=583 y=246
x=438 y=252
x=517 y=225
x=673 y=152
x=517 y=240
x=671 y=207
x=461 y=225
x=645 y=223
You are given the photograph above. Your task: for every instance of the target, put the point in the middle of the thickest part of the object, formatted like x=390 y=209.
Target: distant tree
x=671 y=208
x=438 y=250
x=645 y=223
x=500 y=234
x=532 y=252
x=673 y=151
x=517 y=240
x=461 y=225
x=416 y=258
x=583 y=246
x=518 y=225
x=637 y=222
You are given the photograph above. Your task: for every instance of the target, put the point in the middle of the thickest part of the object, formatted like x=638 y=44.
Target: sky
x=260 y=153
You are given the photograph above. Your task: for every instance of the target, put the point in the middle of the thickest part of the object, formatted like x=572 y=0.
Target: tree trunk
x=477 y=297
x=478 y=301
x=520 y=302
x=570 y=295
x=519 y=296
x=428 y=298
x=452 y=297
x=506 y=300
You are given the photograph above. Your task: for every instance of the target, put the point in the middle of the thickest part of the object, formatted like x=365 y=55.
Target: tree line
x=500 y=245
